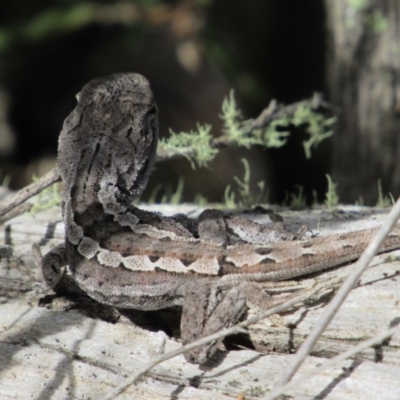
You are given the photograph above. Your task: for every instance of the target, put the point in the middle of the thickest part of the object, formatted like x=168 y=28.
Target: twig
x=28 y=191
x=267 y=116
x=272 y=112
x=276 y=111
x=239 y=328
x=376 y=340
x=18 y=210
x=339 y=298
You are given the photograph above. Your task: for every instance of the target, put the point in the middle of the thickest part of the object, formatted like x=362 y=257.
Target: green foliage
x=53 y=20
x=315 y=198
x=246 y=198
x=358 y=5
x=298 y=200
x=244 y=184
x=61 y=17
x=229 y=198
x=271 y=136
x=233 y=122
x=50 y=21
x=371 y=17
x=331 y=197
x=317 y=126
x=377 y=21
x=197 y=146
x=46 y=199
x=295 y=200
x=175 y=197
x=360 y=201
x=200 y=200
x=237 y=129
x=384 y=201
x=185 y=142
x=169 y=197
x=153 y=195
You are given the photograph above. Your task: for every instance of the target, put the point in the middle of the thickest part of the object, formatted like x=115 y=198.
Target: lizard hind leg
x=207 y=310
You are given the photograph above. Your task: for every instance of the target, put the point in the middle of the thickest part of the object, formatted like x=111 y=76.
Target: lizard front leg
x=52 y=265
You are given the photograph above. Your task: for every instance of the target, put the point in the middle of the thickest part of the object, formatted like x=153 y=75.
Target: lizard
x=126 y=257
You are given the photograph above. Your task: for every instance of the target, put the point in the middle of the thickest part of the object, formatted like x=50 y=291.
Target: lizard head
x=109 y=141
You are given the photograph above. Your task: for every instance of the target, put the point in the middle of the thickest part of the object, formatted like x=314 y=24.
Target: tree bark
x=363 y=79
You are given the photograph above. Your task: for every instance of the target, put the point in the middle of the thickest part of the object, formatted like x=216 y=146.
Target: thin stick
x=339 y=298
x=28 y=191
x=239 y=328
x=273 y=111
x=376 y=340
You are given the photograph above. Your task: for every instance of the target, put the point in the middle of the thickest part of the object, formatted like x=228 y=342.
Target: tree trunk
x=363 y=79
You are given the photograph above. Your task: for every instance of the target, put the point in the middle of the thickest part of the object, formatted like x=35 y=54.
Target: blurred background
x=194 y=52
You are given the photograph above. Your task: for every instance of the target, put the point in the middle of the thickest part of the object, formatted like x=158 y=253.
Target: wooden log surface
x=52 y=348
